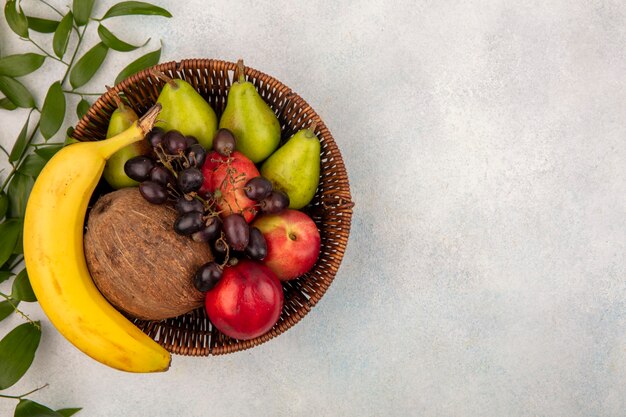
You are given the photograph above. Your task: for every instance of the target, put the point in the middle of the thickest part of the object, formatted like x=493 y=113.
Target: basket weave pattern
x=331 y=209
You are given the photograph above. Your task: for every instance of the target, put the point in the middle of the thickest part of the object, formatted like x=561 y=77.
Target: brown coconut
x=136 y=259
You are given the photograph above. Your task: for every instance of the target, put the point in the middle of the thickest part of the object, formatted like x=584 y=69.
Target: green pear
x=121 y=119
x=184 y=109
x=251 y=120
x=295 y=168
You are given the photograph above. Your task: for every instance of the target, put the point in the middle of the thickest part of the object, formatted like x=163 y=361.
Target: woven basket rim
x=341 y=199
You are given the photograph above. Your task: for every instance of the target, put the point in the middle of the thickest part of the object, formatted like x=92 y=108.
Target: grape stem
x=227 y=256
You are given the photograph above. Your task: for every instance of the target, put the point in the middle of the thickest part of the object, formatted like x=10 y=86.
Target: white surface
x=485 y=273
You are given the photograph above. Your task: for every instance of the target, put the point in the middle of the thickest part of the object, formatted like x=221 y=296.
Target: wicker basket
x=331 y=209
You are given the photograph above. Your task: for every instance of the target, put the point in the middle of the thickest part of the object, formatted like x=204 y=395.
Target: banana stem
x=241 y=69
x=147 y=121
x=135 y=133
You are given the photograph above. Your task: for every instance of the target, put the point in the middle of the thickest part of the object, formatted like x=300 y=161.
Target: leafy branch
x=41 y=136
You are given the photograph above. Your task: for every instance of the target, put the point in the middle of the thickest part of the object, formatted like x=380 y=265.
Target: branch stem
x=5 y=151
x=46 y=52
x=52 y=7
x=17 y=166
x=80 y=41
x=19 y=397
x=79 y=93
x=17 y=261
x=17 y=310
x=8 y=178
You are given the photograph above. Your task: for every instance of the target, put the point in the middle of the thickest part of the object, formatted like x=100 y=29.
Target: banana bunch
x=53 y=252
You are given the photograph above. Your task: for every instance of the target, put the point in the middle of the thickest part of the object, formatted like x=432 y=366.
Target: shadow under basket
x=331 y=209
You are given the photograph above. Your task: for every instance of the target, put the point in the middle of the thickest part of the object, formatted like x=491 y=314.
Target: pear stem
x=118 y=101
x=311 y=129
x=163 y=77
x=241 y=69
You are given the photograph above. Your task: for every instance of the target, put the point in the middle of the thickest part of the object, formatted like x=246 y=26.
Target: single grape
x=138 y=168
x=257 y=246
x=224 y=142
x=220 y=247
x=258 y=188
x=276 y=202
x=162 y=176
x=190 y=140
x=155 y=136
x=190 y=179
x=210 y=232
x=153 y=192
x=187 y=206
x=236 y=231
x=174 y=142
x=196 y=155
x=188 y=223
x=207 y=276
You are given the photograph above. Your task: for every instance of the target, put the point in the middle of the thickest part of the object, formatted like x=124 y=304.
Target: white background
x=485 y=272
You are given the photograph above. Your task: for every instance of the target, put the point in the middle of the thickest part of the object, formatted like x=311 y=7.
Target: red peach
x=246 y=302
x=293 y=242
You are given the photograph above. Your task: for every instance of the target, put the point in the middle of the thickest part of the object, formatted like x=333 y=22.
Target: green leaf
x=32 y=165
x=6 y=308
x=22 y=64
x=4 y=275
x=21 y=288
x=113 y=42
x=10 y=231
x=19 y=247
x=67 y=412
x=42 y=25
x=4 y=204
x=135 y=7
x=16 y=18
x=28 y=408
x=7 y=104
x=88 y=65
x=82 y=11
x=19 y=190
x=148 y=60
x=82 y=108
x=47 y=152
x=21 y=143
x=69 y=139
x=62 y=35
x=53 y=111
x=16 y=92
x=17 y=351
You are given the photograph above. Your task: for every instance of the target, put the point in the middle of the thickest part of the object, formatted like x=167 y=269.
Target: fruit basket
x=331 y=209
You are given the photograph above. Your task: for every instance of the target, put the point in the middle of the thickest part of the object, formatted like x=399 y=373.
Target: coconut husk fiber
x=137 y=261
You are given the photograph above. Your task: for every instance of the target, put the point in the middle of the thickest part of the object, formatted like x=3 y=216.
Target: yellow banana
x=53 y=251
